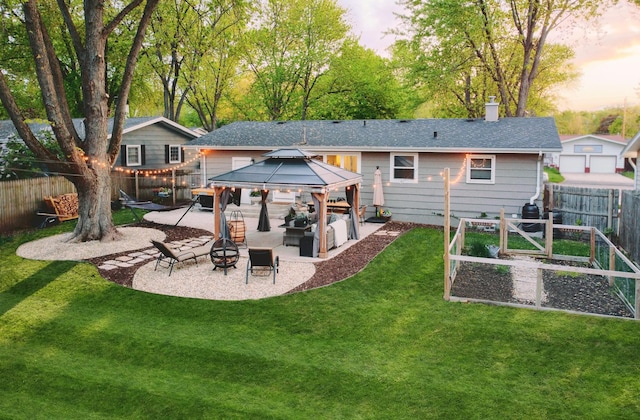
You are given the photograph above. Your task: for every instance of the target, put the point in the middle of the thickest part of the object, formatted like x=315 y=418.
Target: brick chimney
x=491 y=113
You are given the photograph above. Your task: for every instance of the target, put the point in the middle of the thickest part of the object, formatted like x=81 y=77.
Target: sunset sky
x=608 y=56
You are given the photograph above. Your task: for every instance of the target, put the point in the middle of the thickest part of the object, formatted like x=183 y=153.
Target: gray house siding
x=155 y=138
x=423 y=201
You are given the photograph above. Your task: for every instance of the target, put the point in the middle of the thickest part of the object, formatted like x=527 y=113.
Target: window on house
x=581 y=148
x=174 y=153
x=481 y=169
x=348 y=162
x=404 y=168
x=134 y=155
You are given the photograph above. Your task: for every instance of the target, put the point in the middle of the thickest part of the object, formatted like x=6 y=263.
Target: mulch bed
x=565 y=290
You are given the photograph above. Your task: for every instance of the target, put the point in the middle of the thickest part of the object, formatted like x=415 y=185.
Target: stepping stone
x=107 y=267
x=124 y=265
x=124 y=258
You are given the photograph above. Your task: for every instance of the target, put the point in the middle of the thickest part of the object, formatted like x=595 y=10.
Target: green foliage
x=457 y=54
x=603 y=121
x=18 y=162
x=478 y=249
x=554 y=175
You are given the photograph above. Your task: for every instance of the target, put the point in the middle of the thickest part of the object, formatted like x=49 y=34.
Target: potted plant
x=255 y=197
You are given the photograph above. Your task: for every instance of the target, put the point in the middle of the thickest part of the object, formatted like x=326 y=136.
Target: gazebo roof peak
x=291 y=153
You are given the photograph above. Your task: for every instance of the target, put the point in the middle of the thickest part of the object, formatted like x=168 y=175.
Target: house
x=147 y=143
x=155 y=143
x=630 y=152
x=589 y=153
x=494 y=163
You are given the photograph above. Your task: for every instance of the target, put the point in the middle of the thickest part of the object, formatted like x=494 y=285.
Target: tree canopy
x=86 y=160
x=460 y=52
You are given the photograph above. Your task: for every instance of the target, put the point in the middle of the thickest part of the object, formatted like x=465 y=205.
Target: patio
x=272 y=239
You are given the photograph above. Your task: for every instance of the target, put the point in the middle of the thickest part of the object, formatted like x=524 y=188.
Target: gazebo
x=291 y=169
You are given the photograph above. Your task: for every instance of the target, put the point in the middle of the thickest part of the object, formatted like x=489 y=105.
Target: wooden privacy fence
x=595 y=207
x=21 y=199
x=630 y=224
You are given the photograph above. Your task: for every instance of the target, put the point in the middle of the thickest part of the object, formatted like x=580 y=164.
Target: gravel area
x=57 y=247
x=200 y=280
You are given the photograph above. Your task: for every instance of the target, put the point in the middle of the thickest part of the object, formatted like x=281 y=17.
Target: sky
x=607 y=56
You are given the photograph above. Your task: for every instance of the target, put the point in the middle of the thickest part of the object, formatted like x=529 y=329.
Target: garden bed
x=586 y=293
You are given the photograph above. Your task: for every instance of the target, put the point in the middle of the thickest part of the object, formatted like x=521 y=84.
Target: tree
x=359 y=85
x=210 y=74
x=290 y=50
x=18 y=162
x=87 y=161
x=494 y=44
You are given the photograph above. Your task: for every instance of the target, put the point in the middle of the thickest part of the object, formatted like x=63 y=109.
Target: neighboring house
x=148 y=143
x=494 y=163
x=589 y=153
x=153 y=143
x=631 y=151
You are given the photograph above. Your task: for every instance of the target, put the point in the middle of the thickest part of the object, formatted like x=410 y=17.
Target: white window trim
x=392 y=167
x=492 y=180
x=179 y=147
x=139 y=162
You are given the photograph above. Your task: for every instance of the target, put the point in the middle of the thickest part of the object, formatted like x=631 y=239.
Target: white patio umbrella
x=378 y=196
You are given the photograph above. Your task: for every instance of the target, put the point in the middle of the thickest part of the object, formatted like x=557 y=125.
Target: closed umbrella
x=378 y=196
x=263 y=221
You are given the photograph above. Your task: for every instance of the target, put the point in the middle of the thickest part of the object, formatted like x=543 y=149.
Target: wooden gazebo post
x=322 y=223
x=216 y=212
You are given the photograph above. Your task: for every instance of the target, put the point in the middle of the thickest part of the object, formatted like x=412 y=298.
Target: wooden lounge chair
x=262 y=260
x=62 y=207
x=170 y=256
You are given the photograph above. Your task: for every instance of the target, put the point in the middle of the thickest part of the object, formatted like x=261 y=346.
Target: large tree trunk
x=94 y=211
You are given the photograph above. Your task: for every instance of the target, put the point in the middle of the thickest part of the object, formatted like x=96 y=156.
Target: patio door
x=237 y=163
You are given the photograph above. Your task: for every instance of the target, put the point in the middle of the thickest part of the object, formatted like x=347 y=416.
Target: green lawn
x=382 y=344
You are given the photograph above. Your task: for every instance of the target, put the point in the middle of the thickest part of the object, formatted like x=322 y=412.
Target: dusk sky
x=608 y=56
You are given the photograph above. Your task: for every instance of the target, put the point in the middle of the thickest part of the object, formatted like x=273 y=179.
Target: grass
x=554 y=174
x=382 y=344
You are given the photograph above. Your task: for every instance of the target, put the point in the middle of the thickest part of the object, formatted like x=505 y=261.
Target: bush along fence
x=617 y=278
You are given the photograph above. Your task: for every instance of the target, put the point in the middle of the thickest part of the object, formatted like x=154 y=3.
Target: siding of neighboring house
x=423 y=201
x=155 y=138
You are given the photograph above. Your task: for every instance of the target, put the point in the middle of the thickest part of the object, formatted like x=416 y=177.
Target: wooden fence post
x=549 y=235
x=447 y=235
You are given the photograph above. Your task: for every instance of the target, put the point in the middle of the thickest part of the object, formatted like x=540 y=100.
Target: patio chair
x=361 y=213
x=170 y=256
x=262 y=260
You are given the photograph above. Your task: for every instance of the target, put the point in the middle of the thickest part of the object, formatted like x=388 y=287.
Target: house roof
x=608 y=138
x=287 y=168
x=631 y=149
x=7 y=129
x=508 y=135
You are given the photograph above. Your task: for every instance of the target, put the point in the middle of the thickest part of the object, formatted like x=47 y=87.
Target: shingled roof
x=509 y=135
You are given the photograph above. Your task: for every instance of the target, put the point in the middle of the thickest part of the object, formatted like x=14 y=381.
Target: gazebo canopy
x=292 y=169
x=288 y=168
